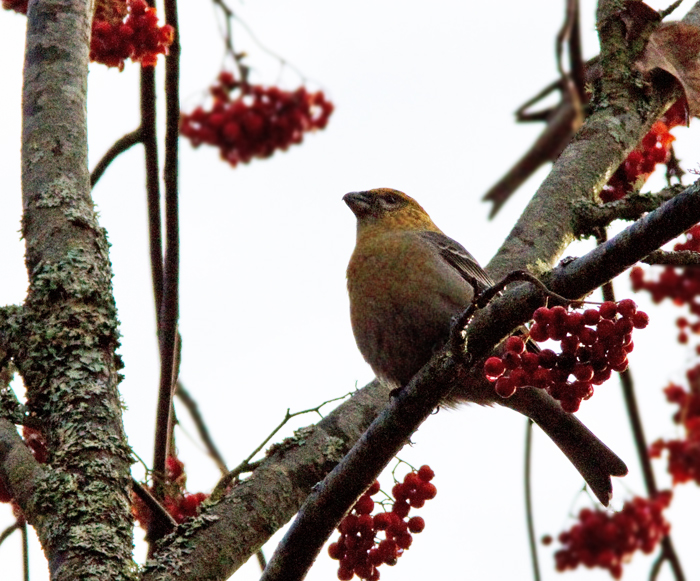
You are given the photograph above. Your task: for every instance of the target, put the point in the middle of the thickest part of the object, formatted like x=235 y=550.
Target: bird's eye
x=390 y=201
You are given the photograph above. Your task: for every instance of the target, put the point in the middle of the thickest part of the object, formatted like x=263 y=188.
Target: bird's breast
x=403 y=296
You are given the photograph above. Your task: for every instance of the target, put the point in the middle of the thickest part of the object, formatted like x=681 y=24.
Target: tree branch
x=192 y=407
x=529 y=513
x=67 y=352
x=589 y=217
x=330 y=501
x=677 y=258
x=120 y=146
x=169 y=307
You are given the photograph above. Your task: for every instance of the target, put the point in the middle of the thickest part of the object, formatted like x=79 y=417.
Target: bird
x=407 y=281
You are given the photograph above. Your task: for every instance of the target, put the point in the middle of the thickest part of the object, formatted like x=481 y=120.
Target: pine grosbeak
x=406 y=281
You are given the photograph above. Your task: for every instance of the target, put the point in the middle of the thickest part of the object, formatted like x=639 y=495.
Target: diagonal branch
x=120 y=146
x=333 y=498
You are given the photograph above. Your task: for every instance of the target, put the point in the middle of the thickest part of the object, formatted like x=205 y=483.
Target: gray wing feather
x=459 y=258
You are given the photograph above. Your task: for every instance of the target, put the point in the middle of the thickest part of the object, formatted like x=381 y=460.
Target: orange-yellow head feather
x=385 y=209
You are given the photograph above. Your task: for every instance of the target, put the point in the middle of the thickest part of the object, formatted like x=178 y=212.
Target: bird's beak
x=359 y=202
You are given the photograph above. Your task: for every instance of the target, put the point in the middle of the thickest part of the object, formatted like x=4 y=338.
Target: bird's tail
x=593 y=459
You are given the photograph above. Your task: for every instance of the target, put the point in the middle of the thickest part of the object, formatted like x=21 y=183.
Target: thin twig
x=167 y=522
x=8 y=531
x=246 y=466
x=590 y=217
x=261 y=559
x=656 y=567
x=231 y=14
x=664 y=13
x=120 y=146
x=484 y=297
x=675 y=258
x=150 y=143
x=25 y=550
x=201 y=426
x=167 y=334
x=529 y=514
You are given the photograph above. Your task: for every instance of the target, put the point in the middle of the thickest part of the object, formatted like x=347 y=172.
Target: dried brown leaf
x=675 y=48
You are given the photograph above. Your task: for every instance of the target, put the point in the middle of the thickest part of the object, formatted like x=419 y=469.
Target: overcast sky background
x=424 y=97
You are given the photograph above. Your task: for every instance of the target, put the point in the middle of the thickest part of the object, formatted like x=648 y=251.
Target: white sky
x=424 y=99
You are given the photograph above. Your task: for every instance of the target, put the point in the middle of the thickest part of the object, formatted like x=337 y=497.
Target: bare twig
x=590 y=217
x=201 y=425
x=246 y=466
x=150 y=143
x=8 y=531
x=166 y=521
x=25 y=550
x=167 y=328
x=664 y=13
x=529 y=513
x=676 y=258
x=120 y=146
x=261 y=559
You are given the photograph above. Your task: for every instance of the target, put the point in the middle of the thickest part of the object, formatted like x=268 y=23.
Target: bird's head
x=388 y=209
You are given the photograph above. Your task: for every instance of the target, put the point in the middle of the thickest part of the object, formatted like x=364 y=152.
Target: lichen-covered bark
x=217 y=543
x=623 y=117
x=64 y=340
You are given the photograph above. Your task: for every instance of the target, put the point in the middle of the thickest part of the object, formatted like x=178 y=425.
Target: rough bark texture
x=63 y=339
x=215 y=544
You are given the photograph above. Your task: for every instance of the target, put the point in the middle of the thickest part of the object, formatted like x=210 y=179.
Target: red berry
x=401 y=508
x=382 y=521
x=505 y=387
x=530 y=362
x=608 y=310
x=542 y=315
x=349 y=525
x=425 y=473
x=591 y=317
x=515 y=345
x=336 y=551
x=511 y=360
x=427 y=491
x=404 y=540
x=640 y=320
x=538 y=332
x=494 y=368
x=519 y=377
x=627 y=308
x=547 y=358
x=416 y=524
x=364 y=505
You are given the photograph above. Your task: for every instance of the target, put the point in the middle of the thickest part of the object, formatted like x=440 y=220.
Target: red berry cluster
x=180 y=504
x=640 y=163
x=593 y=345
x=248 y=121
x=683 y=455
x=16 y=5
x=681 y=285
x=607 y=540
x=138 y=36
x=356 y=550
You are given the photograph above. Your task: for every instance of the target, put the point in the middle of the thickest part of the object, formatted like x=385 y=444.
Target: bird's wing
x=457 y=256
